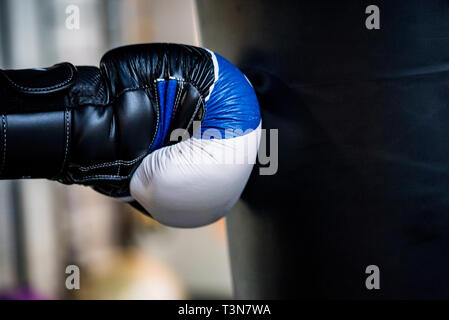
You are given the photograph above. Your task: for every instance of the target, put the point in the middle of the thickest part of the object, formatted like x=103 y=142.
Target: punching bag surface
x=362 y=111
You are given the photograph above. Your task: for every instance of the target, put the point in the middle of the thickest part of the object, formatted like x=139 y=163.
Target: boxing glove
x=172 y=129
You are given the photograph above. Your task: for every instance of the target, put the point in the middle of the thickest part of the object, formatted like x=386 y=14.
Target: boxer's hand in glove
x=117 y=129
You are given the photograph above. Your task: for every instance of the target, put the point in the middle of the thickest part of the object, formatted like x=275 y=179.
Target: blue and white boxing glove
x=198 y=180
x=173 y=129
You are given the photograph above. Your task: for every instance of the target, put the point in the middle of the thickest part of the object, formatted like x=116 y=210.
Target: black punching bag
x=359 y=91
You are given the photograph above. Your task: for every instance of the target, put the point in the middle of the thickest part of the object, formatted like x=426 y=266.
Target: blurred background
x=46 y=226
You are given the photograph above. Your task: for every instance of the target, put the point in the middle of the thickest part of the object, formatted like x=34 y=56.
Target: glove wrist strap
x=35 y=121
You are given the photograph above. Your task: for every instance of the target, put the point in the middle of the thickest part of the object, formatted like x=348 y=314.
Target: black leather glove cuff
x=36 y=118
x=35 y=121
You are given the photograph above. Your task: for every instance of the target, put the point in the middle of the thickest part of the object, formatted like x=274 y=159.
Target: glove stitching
x=178 y=98
x=4 y=144
x=113 y=99
x=200 y=101
x=157 y=114
x=67 y=132
x=40 y=89
x=102 y=177
x=111 y=164
x=109 y=177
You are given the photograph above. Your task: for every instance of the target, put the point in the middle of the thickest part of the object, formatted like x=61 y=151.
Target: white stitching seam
x=110 y=177
x=67 y=132
x=102 y=177
x=40 y=89
x=178 y=97
x=4 y=144
x=113 y=99
x=157 y=113
x=200 y=100
x=110 y=164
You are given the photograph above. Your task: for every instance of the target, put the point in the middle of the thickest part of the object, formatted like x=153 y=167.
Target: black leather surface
x=40 y=81
x=93 y=126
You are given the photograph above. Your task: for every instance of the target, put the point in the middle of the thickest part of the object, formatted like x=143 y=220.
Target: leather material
x=229 y=89
x=199 y=179
x=93 y=126
x=41 y=81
